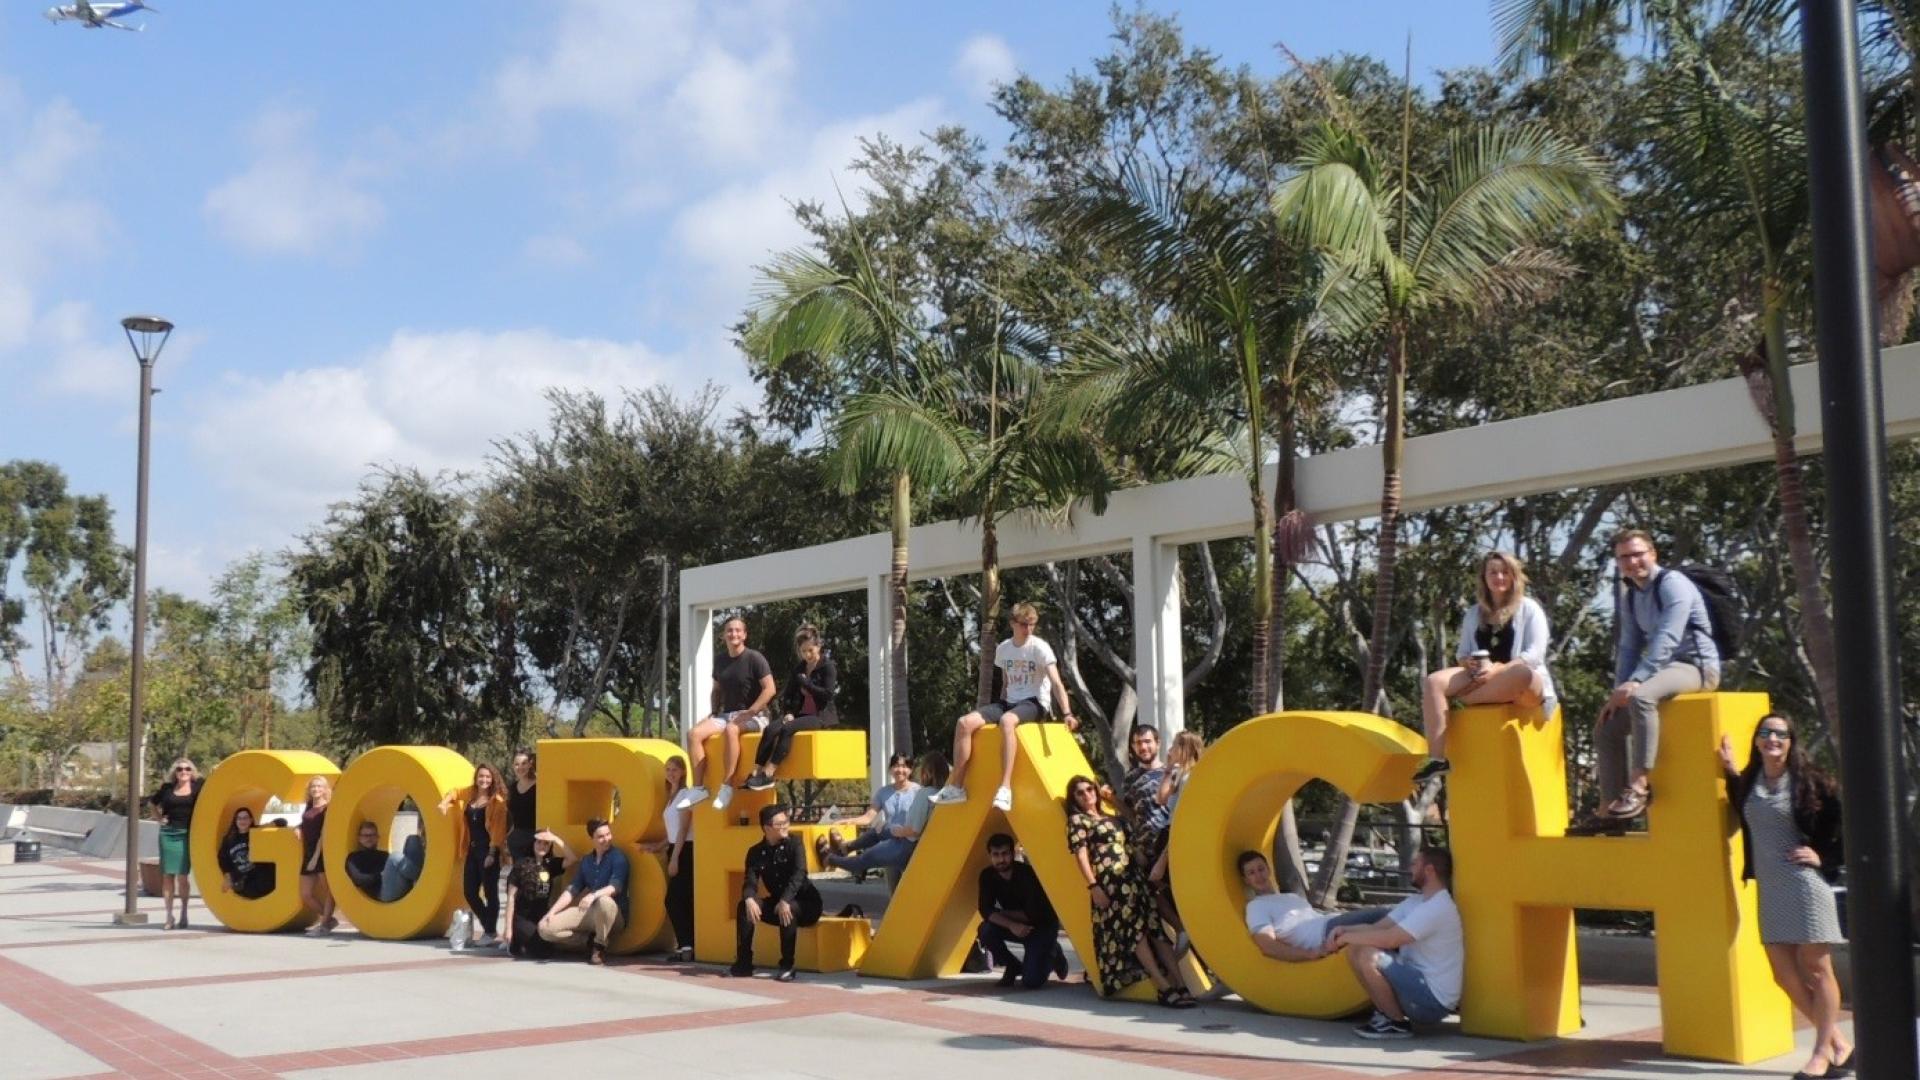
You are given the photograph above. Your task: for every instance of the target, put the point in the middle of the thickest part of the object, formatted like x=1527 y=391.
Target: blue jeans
x=1411 y=990
x=890 y=852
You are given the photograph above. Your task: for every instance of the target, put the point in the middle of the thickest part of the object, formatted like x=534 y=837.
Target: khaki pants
x=580 y=924
x=1630 y=738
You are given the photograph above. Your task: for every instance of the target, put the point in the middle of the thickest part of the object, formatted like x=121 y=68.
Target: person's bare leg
x=1361 y=959
x=185 y=889
x=697 y=748
x=166 y=896
x=1163 y=951
x=1008 y=744
x=1436 y=689
x=1786 y=973
x=732 y=759
x=963 y=730
x=1515 y=683
x=1143 y=951
x=1815 y=963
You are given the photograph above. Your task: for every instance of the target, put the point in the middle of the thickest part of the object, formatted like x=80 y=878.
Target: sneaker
x=1438 y=766
x=1003 y=799
x=785 y=975
x=689 y=798
x=683 y=955
x=315 y=930
x=485 y=941
x=759 y=782
x=737 y=972
x=1381 y=1027
x=721 y=800
x=948 y=794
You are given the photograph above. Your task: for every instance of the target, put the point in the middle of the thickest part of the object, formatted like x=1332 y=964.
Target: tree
x=400 y=593
x=1460 y=241
x=61 y=548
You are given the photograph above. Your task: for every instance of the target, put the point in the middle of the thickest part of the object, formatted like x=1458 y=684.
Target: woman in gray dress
x=1790 y=816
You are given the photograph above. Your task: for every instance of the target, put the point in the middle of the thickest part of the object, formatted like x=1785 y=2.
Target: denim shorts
x=1025 y=711
x=740 y=719
x=1411 y=989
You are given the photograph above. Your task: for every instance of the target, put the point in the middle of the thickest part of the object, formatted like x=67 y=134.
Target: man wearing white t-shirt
x=1028 y=671
x=1412 y=961
x=1284 y=925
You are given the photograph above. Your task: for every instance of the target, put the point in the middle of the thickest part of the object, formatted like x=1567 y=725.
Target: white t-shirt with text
x=1438 y=949
x=1290 y=917
x=1025 y=667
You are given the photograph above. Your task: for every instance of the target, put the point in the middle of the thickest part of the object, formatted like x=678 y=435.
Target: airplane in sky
x=94 y=16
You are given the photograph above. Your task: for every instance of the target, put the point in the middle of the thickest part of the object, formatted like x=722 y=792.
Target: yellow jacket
x=496 y=820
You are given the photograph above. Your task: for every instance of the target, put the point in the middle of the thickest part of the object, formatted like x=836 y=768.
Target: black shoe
x=785 y=975
x=1438 y=766
x=738 y=972
x=1381 y=1027
x=597 y=955
x=1843 y=1067
x=1009 y=975
x=759 y=782
x=1060 y=964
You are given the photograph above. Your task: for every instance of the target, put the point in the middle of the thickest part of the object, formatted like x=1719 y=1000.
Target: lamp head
x=148 y=335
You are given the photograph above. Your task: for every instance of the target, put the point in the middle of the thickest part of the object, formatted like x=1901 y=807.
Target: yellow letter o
x=371 y=790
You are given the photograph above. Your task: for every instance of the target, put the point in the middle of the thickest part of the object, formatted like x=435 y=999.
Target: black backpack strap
x=1658 y=604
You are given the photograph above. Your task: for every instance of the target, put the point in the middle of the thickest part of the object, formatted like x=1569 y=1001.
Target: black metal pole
x=136 y=775
x=1855 y=447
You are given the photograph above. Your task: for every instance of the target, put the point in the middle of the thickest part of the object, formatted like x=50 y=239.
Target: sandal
x=169 y=925
x=1631 y=804
x=1176 y=997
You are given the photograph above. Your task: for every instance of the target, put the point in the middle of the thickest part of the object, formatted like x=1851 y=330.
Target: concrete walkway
x=80 y=997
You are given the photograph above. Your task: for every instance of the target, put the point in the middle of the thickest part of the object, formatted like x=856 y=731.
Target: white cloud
x=289 y=201
x=557 y=250
x=286 y=446
x=734 y=230
x=84 y=359
x=44 y=224
x=731 y=108
x=985 y=61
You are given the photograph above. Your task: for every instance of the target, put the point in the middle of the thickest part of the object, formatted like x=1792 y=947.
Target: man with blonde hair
x=1028 y=671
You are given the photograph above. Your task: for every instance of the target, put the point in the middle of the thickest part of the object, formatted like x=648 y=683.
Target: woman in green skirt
x=173 y=808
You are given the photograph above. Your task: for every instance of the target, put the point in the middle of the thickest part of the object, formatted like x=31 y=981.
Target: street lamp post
x=148 y=335
x=1859 y=527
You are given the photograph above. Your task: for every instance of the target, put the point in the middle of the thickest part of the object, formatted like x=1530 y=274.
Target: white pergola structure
x=1695 y=427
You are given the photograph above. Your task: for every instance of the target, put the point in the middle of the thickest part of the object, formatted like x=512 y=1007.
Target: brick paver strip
x=117 y=1036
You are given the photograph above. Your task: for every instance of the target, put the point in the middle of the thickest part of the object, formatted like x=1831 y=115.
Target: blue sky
x=381 y=237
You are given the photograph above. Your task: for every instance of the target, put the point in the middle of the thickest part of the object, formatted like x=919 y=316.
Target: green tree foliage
x=60 y=547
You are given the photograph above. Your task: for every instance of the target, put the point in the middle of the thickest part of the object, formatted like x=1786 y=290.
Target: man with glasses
x=1666 y=648
x=1028 y=670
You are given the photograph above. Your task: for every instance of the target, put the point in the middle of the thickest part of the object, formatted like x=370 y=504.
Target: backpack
x=1726 y=612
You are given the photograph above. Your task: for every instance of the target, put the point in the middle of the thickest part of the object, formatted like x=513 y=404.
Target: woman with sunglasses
x=1790 y=830
x=1126 y=945
x=173 y=809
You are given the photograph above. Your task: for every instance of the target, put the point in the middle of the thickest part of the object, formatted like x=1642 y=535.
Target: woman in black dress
x=1125 y=946
x=522 y=799
x=173 y=808
x=239 y=874
x=531 y=886
x=314 y=893
x=806 y=704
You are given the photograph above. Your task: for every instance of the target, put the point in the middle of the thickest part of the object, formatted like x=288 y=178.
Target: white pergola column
x=879 y=677
x=696 y=667
x=1158 y=668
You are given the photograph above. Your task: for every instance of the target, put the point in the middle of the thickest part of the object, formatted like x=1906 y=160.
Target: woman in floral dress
x=1125 y=948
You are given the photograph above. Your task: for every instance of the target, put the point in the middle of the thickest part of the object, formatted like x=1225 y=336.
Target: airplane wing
x=120 y=26
x=83 y=10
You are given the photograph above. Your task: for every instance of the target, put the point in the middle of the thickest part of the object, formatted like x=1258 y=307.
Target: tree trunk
x=1333 y=862
x=897 y=633
x=989 y=606
x=1289 y=526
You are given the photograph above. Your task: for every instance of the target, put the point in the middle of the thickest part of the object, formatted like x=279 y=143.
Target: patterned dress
x=1796 y=903
x=1118 y=929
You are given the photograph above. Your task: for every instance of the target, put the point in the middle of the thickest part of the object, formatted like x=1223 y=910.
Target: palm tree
x=1460 y=242
x=862 y=324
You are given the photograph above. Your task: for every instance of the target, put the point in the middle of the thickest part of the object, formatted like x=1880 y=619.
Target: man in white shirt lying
x=1284 y=925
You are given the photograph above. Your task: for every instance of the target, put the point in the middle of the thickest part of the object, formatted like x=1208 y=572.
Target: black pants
x=777 y=741
x=680 y=898
x=483 y=889
x=1040 y=947
x=806 y=912
x=527 y=941
x=519 y=844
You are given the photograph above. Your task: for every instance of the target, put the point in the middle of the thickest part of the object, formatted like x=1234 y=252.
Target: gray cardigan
x=1530 y=637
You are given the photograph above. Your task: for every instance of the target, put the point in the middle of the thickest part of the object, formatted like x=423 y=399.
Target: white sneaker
x=948 y=794
x=721 y=800
x=689 y=798
x=1003 y=799
x=485 y=941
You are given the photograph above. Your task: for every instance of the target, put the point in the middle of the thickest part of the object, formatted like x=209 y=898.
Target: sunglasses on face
x=1780 y=734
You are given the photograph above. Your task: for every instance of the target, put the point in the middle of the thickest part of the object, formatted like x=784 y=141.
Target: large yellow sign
x=1518 y=876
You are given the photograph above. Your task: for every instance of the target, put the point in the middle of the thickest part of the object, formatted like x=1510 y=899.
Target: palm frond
x=882 y=432
x=1336 y=201
x=1544 y=33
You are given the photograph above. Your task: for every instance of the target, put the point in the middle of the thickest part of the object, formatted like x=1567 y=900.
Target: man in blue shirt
x=595 y=905
x=1666 y=648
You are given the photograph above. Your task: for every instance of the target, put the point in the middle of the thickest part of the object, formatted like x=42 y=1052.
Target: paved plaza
x=80 y=997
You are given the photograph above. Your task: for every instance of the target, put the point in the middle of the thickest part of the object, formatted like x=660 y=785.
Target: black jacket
x=821 y=684
x=781 y=870
x=1819 y=827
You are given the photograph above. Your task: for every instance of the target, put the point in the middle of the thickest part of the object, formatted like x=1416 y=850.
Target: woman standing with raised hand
x=531 y=886
x=314 y=894
x=480 y=829
x=1790 y=816
x=173 y=809
x=522 y=800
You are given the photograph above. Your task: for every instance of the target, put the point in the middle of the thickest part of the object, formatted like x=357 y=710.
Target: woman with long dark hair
x=522 y=799
x=1126 y=947
x=239 y=874
x=1790 y=830
x=806 y=704
x=480 y=829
